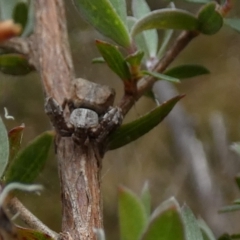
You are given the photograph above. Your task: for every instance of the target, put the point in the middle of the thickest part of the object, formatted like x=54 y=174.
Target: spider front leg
x=56 y=115
x=111 y=120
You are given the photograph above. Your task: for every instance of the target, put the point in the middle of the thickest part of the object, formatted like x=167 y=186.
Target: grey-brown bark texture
x=79 y=165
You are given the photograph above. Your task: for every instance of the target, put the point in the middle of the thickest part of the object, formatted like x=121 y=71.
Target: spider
x=92 y=117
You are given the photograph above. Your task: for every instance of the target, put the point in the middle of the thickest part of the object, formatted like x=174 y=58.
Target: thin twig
x=146 y=84
x=27 y=217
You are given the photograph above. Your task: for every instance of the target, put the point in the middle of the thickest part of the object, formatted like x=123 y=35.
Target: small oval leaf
x=146 y=198
x=165 y=223
x=210 y=20
x=20 y=14
x=166 y=19
x=206 y=231
x=30 y=161
x=6 y=9
x=15 y=139
x=131 y=131
x=161 y=76
x=167 y=35
x=135 y=58
x=31 y=234
x=139 y=40
x=165 y=41
x=191 y=225
x=102 y=15
x=114 y=59
x=140 y=8
x=186 y=71
x=31 y=20
x=121 y=9
x=4 y=147
x=14 y=64
x=131 y=215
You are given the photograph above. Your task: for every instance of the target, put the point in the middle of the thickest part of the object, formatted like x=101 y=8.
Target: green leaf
x=166 y=38
x=20 y=14
x=132 y=216
x=166 y=223
x=6 y=9
x=7 y=12
x=31 y=20
x=192 y=229
x=139 y=40
x=135 y=58
x=165 y=41
x=140 y=8
x=230 y=208
x=186 y=71
x=166 y=19
x=14 y=64
x=4 y=147
x=146 y=198
x=121 y=9
x=31 y=234
x=135 y=129
x=98 y=60
x=30 y=161
x=161 y=76
x=210 y=20
x=102 y=15
x=114 y=59
x=206 y=231
x=15 y=139
x=234 y=23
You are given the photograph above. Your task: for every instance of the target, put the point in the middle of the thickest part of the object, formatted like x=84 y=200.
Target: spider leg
x=110 y=121
x=56 y=115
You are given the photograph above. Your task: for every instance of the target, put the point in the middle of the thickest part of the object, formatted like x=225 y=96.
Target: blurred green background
x=209 y=99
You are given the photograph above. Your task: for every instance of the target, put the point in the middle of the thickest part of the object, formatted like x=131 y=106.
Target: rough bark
x=79 y=169
x=79 y=165
x=51 y=49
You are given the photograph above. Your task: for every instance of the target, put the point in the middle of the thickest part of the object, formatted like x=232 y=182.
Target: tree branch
x=50 y=42
x=146 y=84
x=79 y=164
